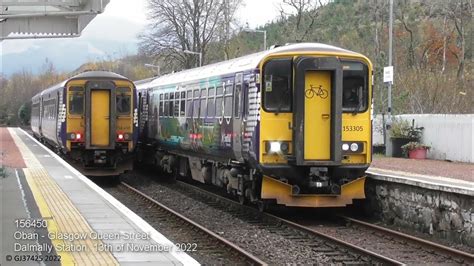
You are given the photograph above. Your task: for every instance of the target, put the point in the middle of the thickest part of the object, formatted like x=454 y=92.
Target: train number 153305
x=353 y=128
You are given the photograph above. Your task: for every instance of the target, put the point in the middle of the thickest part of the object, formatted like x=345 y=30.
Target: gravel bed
x=373 y=240
x=206 y=251
x=271 y=247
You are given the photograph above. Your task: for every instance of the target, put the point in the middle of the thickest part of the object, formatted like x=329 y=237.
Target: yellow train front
x=315 y=126
x=92 y=118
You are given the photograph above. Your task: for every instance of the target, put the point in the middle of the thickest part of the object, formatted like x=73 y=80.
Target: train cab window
x=228 y=100
x=161 y=105
x=202 y=112
x=196 y=104
x=211 y=103
x=182 y=107
x=277 y=89
x=123 y=101
x=76 y=100
x=189 y=104
x=354 y=87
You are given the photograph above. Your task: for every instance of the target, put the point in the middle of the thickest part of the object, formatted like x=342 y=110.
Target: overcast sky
x=122 y=21
x=255 y=12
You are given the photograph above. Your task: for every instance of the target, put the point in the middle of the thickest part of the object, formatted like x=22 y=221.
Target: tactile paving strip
x=63 y=217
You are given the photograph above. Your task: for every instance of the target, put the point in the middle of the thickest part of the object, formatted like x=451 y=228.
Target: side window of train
x=277 y=85
x=354 y=86
x=229 y=93
x=196 y=104
x=161 y=105
x=167 y=105
x=176 y=104
x=219 y=96
x=202 y=112
x=189 y=104
x=171 y=105
x=211 y=103
x=123 y=101
x=76 y=100
x=237 y=100
x=182 y=107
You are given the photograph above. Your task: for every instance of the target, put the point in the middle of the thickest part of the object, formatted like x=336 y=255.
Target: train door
x=238 y=115
x=318 y=98
x=100 y=117
x=317 y=115
x=100 y=114
x=40 y=116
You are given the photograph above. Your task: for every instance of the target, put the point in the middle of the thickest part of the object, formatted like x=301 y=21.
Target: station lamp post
x=154 y=66
x=259 y=31
x=195 y=53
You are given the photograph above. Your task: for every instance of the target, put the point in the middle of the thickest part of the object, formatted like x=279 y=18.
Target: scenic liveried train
x=92 y=118
x=290 y=125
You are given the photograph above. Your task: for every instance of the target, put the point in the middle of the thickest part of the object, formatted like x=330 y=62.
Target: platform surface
x=83 y=224
x=445 y=176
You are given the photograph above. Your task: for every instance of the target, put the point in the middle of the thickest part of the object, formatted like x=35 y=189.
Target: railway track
x=442 y=251
x=384 y=245
x=212 y=247
x=322 y=248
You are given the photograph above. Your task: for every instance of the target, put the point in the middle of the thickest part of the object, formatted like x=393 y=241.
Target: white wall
x=450 y=136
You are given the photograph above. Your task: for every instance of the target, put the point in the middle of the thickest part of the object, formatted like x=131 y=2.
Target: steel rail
x=227 y=243
x=383 y=259
x=467 y=257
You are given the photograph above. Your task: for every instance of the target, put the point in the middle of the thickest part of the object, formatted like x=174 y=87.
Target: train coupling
x=319 y=181
x=100 y=157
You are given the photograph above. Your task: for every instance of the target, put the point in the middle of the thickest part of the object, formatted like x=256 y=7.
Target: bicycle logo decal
x=318 y=91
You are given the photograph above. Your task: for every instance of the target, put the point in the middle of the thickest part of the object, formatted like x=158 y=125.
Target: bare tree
x=305 y=13
x=179 y=25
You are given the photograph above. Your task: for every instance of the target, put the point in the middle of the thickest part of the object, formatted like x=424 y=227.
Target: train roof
x=83 y=75
x=243 y=63
x=143 y=83
x=98 y=74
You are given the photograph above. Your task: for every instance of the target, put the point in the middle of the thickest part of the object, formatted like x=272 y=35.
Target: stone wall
x=441 y=214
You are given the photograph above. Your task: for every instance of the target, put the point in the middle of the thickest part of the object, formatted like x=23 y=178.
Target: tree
x=179 y=25
x=24 y=113
x=303 y=14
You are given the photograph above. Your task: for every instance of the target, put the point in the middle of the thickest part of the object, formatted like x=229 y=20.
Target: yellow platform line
x=63 y=217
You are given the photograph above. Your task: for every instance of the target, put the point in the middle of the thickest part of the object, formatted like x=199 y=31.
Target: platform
x=73 y=218
x=431 y=174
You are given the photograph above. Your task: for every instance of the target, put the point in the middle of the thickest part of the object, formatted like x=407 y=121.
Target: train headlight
x=282 y=147
x=354 y=147
x=275 y=146
x=75 y=136
x=120 y=137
